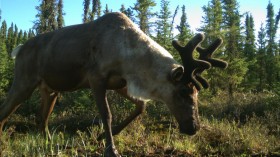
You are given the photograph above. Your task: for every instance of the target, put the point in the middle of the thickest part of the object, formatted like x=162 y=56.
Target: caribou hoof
x=111 y=152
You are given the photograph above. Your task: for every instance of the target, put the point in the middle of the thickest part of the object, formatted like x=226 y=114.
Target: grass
x=241 y=127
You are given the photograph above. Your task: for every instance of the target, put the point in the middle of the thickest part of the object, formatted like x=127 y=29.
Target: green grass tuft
x=246 y=126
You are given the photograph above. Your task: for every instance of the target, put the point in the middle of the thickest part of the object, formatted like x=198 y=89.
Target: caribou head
x=189 y=81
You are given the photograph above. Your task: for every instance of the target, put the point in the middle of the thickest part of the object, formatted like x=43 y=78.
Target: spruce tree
x=25 y=37
x=106 y=11
x=86 y=11
x=52 y=10
x=40 y=25
x=3 y=59
x=19 y=38
x=250 y=81
x=163 y=23
x=144 y=13
x=261 y=61
x=95 y=11
x=60 y=19
x=212 y=21
x=173 y=20
x=4 y=79
x=7 y=43
x=30 y=33
x=249 y=46
x=271 y=29
x=233 y=45
x=122 y=9
x=185 y=33
x=98 y=8
x=128 y=12
x=15 y=37
x=276 y=85
x=212 y=27
x=10 y=39
x=3 y=31
x=47 y=13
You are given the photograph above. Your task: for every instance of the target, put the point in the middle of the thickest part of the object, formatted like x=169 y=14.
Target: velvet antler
x=194 y=67
x=206 y=55
x=189 y=62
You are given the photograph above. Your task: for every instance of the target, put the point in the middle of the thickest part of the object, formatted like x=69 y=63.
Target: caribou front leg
x=140 y=108
x=99 y=91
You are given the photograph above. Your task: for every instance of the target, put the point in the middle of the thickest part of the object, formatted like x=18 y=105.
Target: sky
x=22 y=12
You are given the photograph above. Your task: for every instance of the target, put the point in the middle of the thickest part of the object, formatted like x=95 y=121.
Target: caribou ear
x=177 y=73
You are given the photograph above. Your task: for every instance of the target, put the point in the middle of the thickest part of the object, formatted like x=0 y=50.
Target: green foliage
x=106 y=11
x=163 y=34
x=60 y=19
x=96 y=9
x=128 y=12
x=233 y=44
x=49 y=17
x=212 y=27
x=3 y=32
x=271 y=29
x=249 y=47
x=250 y=81
x=76 y=102
x=271 y=47
x=7 y=43
x=86 y=11
x=247 y=126
x=235 y=74
x=94 y=12
x=144 y=14
x=185 y=33
x=4 y=79
x=10 y=41
x=261 y=64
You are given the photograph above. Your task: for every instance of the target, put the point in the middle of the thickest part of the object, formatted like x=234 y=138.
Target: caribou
x=110 y=53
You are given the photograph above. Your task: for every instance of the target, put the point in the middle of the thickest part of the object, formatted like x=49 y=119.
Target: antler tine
x=200 y=79
x=187 y=51
x=206 y=54
x=190 y=64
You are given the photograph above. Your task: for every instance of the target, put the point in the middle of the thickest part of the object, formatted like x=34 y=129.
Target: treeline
x=10 y=37
x=254 y=60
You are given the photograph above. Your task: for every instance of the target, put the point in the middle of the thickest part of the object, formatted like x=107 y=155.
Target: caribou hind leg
x=19 y=92
x=48 y=98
